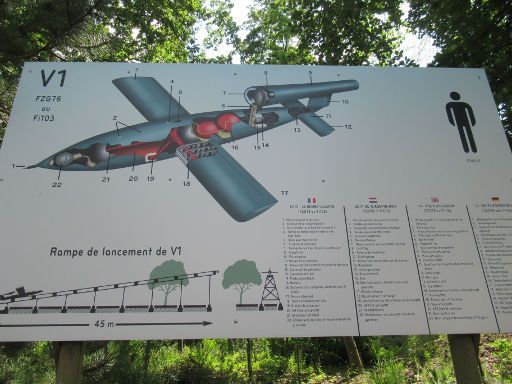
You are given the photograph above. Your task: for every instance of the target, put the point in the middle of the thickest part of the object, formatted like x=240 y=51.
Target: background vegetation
x=467 y=33
x=388 y=360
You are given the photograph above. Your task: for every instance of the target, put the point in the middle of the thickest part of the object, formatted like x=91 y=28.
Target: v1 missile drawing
x=170 y=131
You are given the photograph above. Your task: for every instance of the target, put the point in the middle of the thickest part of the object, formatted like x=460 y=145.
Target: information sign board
x=193 y=201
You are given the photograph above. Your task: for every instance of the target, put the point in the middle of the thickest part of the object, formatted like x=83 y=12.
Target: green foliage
x=211 y=361
x=31 y=363
x=349 y=32
x=429 y=359
x=268 y=367
x=424 y=359
x=220 y=26
x=389 y=372
x=190 y=371
x=502 y=350
x=96 y=30
x=323 y=32
x=381 y=348
x=439 y=376
x=99 y=359
x=84 y=30
x=474 y=34
x=397 y=359
x=272 y=36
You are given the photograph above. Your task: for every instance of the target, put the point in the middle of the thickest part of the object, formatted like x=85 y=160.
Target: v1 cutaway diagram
x=197 y=139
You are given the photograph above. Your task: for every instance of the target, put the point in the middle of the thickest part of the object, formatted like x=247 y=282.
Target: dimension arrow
x=203 y=323
x=42 y=325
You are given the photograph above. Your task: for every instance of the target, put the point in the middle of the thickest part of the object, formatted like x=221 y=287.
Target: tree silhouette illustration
x=242 y=275
x=172 y=274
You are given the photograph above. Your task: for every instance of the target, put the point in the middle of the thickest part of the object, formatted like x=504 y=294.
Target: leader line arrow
x=203 y=323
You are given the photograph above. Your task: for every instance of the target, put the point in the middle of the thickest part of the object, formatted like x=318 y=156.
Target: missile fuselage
x=140 y=143
x=158 y=140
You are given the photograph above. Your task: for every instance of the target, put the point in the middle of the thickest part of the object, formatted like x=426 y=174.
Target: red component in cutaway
x=136 y=148
x=205 y=129
x=164 y=146
x=226 y=121
x=150 y=150
x=174 y=135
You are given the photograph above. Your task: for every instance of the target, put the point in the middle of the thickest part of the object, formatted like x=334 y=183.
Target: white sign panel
x=192 y=201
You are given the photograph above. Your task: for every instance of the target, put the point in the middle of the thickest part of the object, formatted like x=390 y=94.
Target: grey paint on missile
x=235 y=189
x=278 y=94
x=150 y=98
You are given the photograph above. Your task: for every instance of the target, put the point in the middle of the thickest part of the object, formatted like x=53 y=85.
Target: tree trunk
x=353 y=354
x=241 y=293
x=147 y=357
x=297 y=359
x=55 y=352
x=249 y=359
x=122 y=365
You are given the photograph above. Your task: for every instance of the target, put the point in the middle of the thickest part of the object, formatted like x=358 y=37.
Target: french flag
x=311 y=200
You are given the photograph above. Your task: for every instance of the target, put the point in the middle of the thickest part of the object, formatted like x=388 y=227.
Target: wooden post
x=69 y=367
x=465 y=357
x=353 y=354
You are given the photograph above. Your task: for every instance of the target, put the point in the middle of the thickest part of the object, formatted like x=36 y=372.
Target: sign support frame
x=464 y=349
x=69 y=362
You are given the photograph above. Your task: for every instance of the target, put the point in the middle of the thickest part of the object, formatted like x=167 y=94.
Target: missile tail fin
x=316 y=123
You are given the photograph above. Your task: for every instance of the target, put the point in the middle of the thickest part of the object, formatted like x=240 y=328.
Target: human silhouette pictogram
x=461 y=115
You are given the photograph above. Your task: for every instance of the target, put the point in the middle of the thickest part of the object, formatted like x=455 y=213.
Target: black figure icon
x=461 y=114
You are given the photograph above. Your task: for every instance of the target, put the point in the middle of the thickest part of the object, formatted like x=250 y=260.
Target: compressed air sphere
x=226 y=120
x=205 y=129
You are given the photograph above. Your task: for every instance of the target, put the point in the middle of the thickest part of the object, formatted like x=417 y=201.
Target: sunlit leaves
x=323 y=32
x=474 y=34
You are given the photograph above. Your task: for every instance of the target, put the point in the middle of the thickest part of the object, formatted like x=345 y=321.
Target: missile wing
x=235 y=189
x=151 y=99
